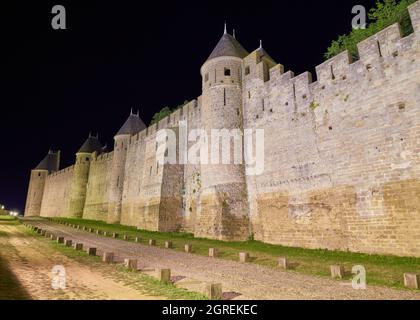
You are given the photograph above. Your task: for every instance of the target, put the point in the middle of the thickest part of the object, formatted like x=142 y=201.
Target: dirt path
x=252 y=281
x=32 y=260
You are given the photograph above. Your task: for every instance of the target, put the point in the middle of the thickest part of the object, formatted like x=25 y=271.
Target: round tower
x=81 y=175
x=223 y=210
x=132 y=126
x=37 y=183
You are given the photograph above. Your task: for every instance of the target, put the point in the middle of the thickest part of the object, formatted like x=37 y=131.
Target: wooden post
x=164 y=275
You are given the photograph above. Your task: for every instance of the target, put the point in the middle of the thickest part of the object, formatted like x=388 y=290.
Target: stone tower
x=223 y=209
x=49 y=164
x=132 y=126
x=80 y=176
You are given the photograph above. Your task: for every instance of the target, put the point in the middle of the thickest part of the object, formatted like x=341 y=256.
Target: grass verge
x=381 y=270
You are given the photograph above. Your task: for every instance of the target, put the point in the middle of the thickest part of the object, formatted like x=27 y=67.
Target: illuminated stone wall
x=342 y=156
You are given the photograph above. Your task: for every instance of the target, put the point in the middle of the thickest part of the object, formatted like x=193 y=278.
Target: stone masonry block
x=243 y=257
x=337 y=271
x=130 y=264
x=163 y=275
x=411 y=280
x=188 y=248
x=108 y=257
x=284 y=263
x=213 y=253
x=213 y=291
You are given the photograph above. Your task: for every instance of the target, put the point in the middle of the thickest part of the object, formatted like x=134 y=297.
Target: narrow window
x=263 y=105
x=379 y=49
x=227 y=72
x=151 y=168
x=249 y=94
x=224 y=97
x=247 y=71
x=215 y=76
x=118 y=181
x=157 y=168
x=294 y=91
x=206 y=77
x=332 y=73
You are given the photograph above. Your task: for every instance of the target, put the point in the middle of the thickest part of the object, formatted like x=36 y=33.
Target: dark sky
x=57 y=86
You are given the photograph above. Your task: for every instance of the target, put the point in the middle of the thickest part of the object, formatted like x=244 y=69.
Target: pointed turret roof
x=50 y=162
x=228 y=46
x=91 y=144
x=264 y=53
x=132 y=125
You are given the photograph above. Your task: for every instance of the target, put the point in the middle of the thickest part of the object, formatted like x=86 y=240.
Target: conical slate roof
x=132 y=126
x=266 y=55
x=50 y=162
x=228 y=46
x=91 y=144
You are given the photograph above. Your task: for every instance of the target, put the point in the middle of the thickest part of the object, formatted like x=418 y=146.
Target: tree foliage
x=165 y=112
x=386 y=13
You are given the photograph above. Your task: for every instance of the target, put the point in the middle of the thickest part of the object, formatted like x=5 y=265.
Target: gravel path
x=32 y=260
x=250 y=280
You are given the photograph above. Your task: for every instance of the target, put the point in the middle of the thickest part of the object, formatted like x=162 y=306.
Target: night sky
x=59 y=85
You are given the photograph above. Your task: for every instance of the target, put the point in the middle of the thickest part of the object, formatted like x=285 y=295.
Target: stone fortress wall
x=342 y=157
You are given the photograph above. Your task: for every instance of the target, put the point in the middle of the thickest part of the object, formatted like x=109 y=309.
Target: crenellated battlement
x=103 y=157
x=378 y=55
x=189 y=112
x=61 y=172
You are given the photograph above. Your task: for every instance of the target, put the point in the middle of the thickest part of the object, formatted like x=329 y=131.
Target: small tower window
x=227 y=72
x=247 y=71
x=206 y=77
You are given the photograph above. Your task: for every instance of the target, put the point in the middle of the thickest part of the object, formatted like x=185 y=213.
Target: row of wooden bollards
x=411 y=280
x=212 y=290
